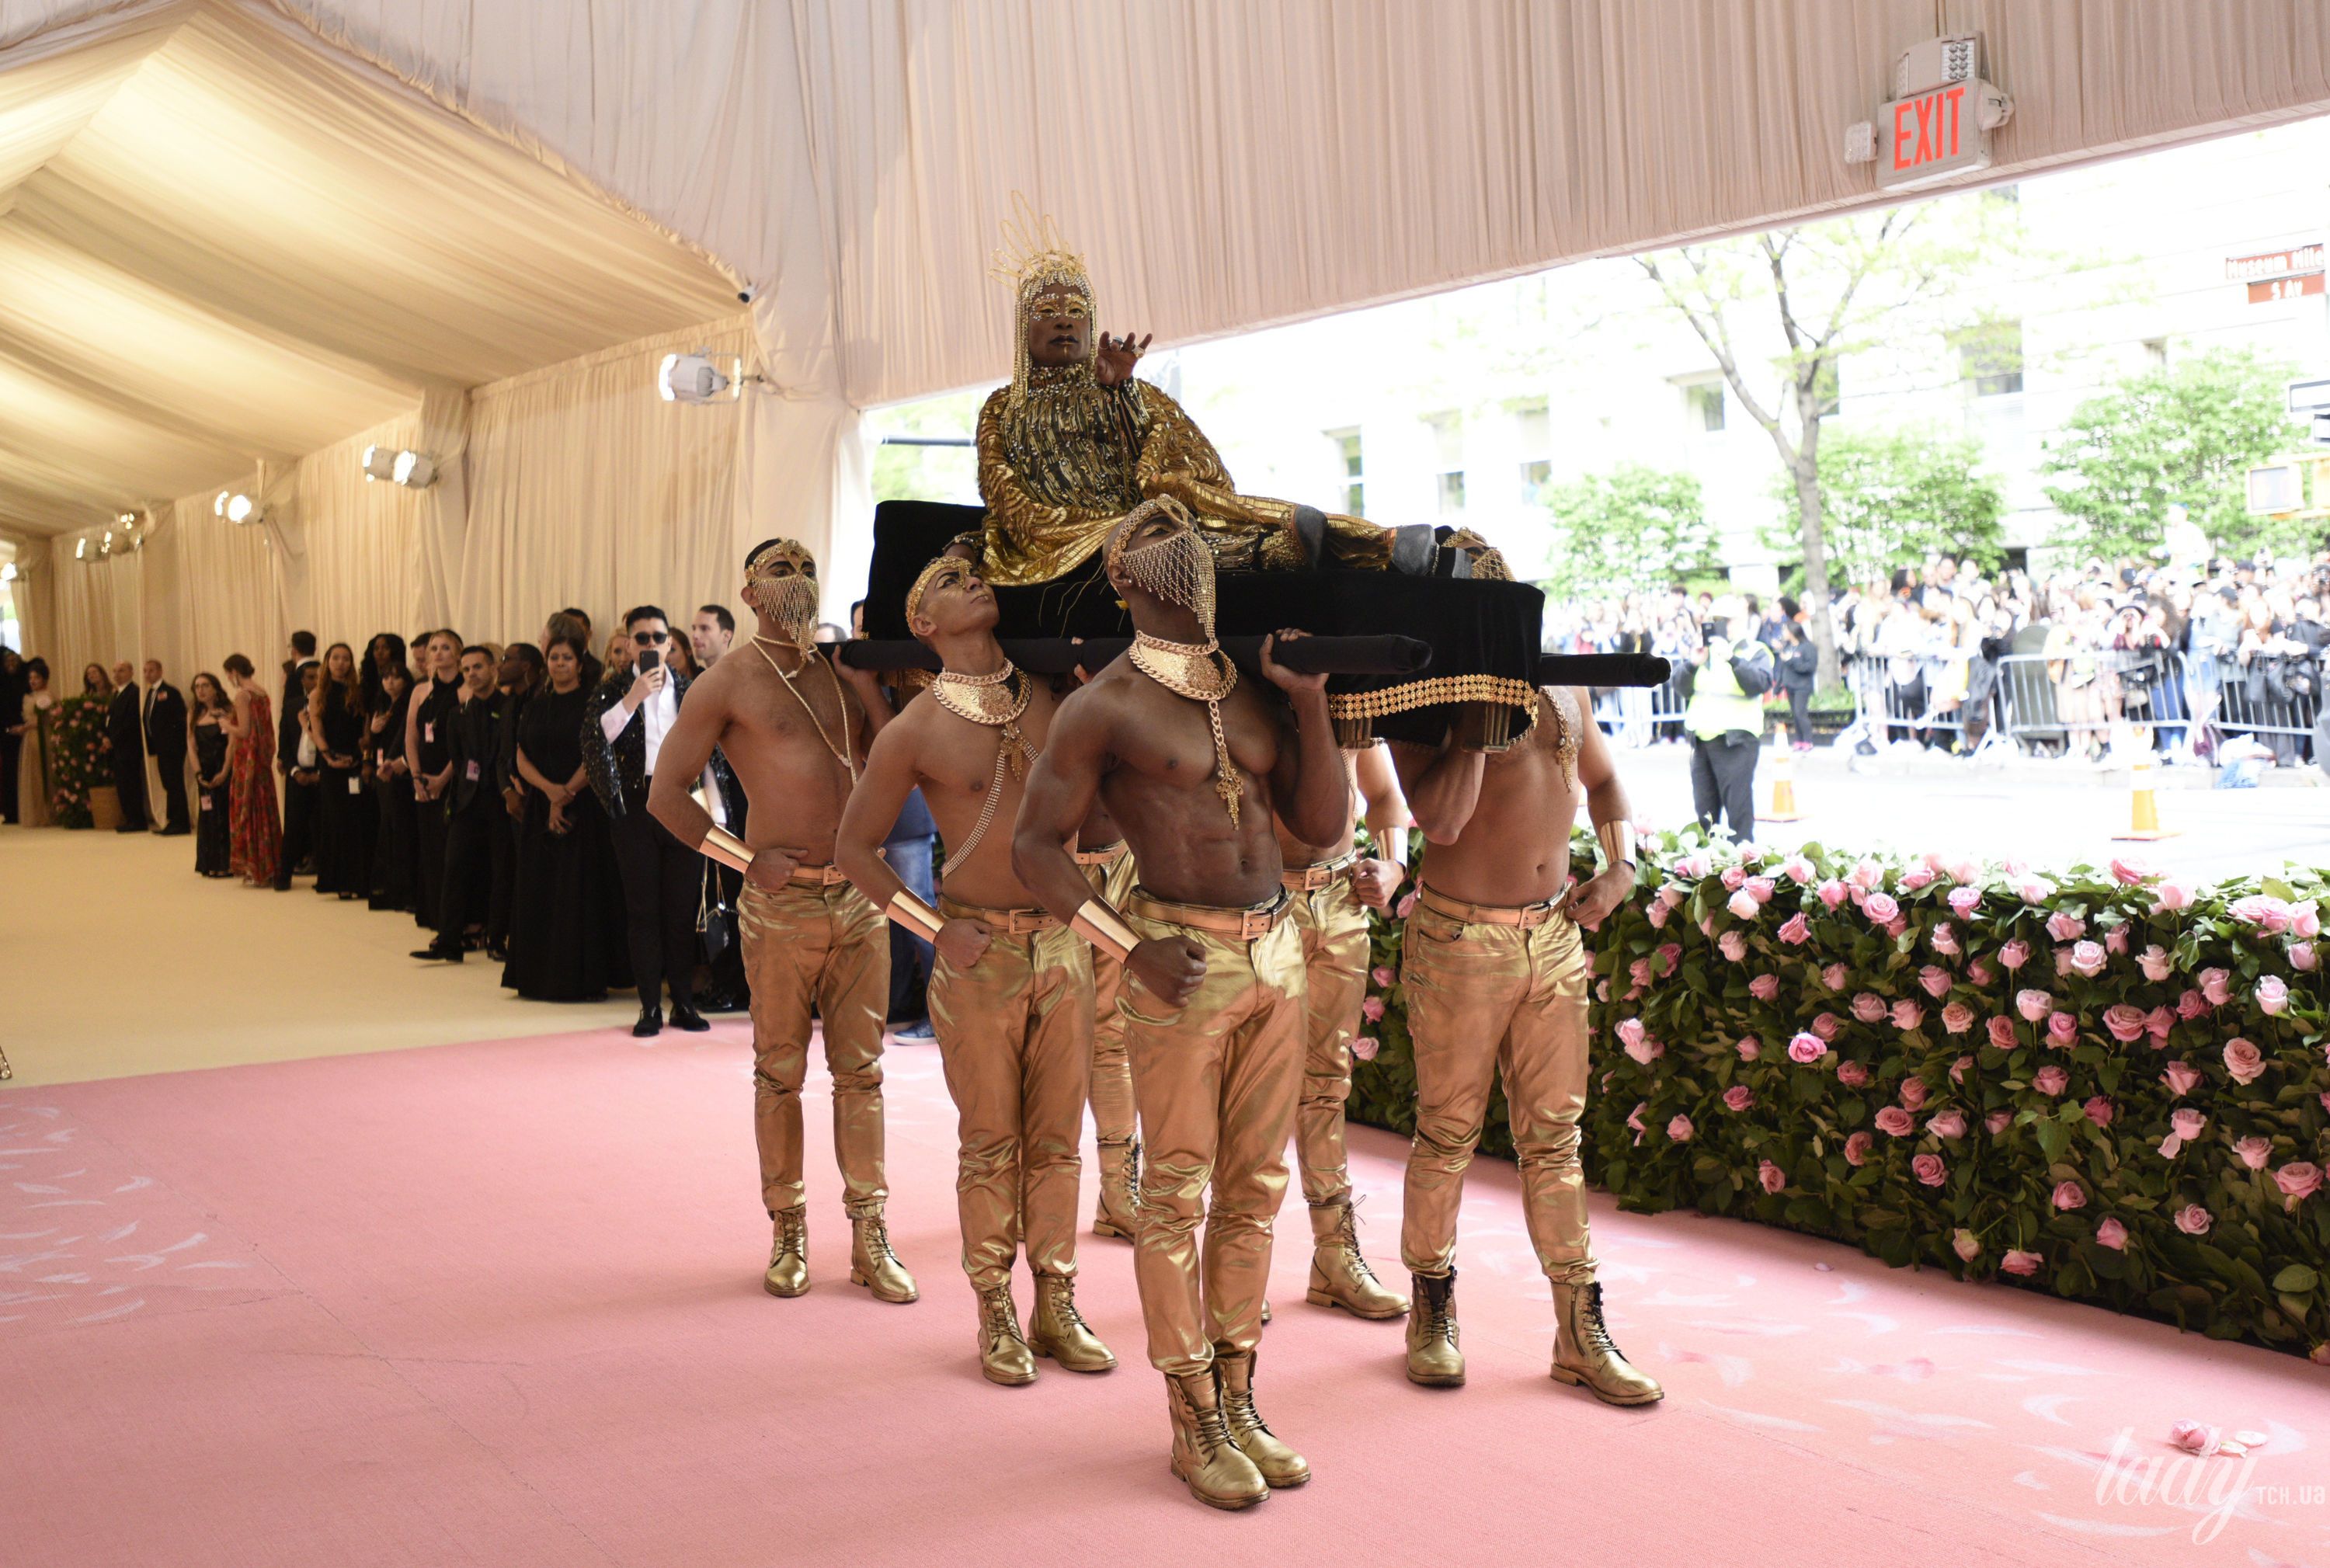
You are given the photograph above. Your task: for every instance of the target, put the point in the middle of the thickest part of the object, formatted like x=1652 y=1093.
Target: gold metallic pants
x=1215 y=1083
x=1014 y=1033
x=1334 y=923
x=825 y=945
x=1486 y=998
x=1111 y=1074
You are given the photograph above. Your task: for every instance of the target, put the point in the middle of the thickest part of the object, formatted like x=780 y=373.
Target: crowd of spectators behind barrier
x=2213 y=661
x=435 y=777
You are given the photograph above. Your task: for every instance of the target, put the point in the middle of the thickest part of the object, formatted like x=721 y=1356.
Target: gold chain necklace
x=840 y=703
x=1203 y=674
x=987 y=700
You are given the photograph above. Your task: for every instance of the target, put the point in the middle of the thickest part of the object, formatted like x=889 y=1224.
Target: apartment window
x=1448 y=448
x=1704 y=400
x=1355 y=486
x=1533 y=438
x=1990 y=357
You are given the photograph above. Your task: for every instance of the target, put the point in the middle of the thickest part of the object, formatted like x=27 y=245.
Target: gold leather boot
x=1583 y=1354
x=1216 y=1469
x=1059 y=1330
x=1003 y=1355
x=1119 y=1191
x=788 y=1272
x=1280 y=1466
x=1433 y=1359
x=873 y=1265
x=1339 y=1275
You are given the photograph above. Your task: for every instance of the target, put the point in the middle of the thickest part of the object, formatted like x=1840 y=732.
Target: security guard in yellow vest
x=1726 y=682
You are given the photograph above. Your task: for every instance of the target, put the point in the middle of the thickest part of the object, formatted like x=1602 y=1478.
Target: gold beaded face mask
x=1175 y=567
x=946 y=571
x=780 y=585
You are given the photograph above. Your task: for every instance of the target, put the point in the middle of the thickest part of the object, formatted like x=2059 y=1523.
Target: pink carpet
x=500 y=1304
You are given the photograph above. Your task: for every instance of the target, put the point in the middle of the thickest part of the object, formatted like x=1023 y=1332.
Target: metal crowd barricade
x=2257 y=699
x=1889 y=711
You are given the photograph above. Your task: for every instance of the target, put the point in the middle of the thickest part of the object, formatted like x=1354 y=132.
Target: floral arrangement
x=2103 y=1082
x=82 y=761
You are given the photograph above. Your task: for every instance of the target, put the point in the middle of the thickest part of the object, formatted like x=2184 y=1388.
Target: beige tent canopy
x=235 y=236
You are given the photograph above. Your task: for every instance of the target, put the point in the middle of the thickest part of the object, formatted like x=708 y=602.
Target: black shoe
x=131 y=828
x=684 y=1016
x=439 y=954
x=651 y=1021
x=175 y=831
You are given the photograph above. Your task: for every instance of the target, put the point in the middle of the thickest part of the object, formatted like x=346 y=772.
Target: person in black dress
x=214 y=842
x=520 y=677
x=303 y=778
x=336 y=713
x=391 y=788
x=473 y=812
x=566 y=940
x=428 y=746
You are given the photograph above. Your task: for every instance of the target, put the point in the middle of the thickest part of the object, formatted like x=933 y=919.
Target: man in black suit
x=165 y=743
x=13 y=691
x=474 y=811
x=129 y=748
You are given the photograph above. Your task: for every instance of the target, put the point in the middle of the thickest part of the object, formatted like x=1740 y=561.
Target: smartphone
x=648 y=659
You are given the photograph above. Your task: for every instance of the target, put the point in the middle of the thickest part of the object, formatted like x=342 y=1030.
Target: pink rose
x=1771 y=1175
x=1908 y=1014
x=1929 y=1169
x=2273 y=994
x=2301 y=958
x=1739 y=1097
x=2014 y=955
x=1958 y=1069
x=1799 y=930
x=1693 y=866
x=1759 y=888
x=1669 y=954
x=1979 y=972
x=1963 y=1243
x=1881 y=909
x=1836 y=976
x=2098 y=1110
x=1958 y=1018
x=1997 y=1121
x=1656 y=915
x=1944 y=939
x=2186 y=1123
x=1799 y=870
x=2069 y=1195
x=1674 y=895
x=1947 y=1124
x=2297 y=1180
x=1645 y=1051
x=2191 y=1005
x=1631 y=1032
x=1866 y=876
x=1857 y=1147
x=1851 y=1074
x=2019 y=1261
x=1372 y=1009
x=1732 y=945
x=1935 y=981
x=2116 y=940
x=2253 y=1152
x=2111 y=1234
x=2087 y=958
x=2305 y=921
x=1963 y=870
x=2062 y=1030
x=1382 y=975
x=1365 y=1047
x=2194 y=1220
x=1679 y=1129
x=1807 y=1049
x=2270 y=915
x=1764 y=987
x=1743 y=906
x=1826 y=1024
x=2034 y=1006
x=2244 y=1061
x=1965 y=900
x=1913 y=1093
x=2051 y=1080
x=1915 y=878
x=1750 y=1048
x=2155 y=963
x=2032 y=890
x=2126 y=1024
x=1406 y=907
x=1894 y=1122
x=1832 y=892
x=1733 y=876
x=2157 y=1024
x=2129 y=871
x=2214 y=986
x=2002 y=1032
x=1868 y=1007
x=1635 y=1118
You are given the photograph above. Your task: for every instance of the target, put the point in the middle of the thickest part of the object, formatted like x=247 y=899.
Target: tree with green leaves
x=2184 y=434
x=1891 y=498
x=1632 y=528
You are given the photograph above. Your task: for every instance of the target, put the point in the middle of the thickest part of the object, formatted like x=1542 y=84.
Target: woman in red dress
x=254 y=831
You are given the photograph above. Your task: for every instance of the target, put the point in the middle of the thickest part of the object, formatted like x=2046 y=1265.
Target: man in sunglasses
x=632 y=713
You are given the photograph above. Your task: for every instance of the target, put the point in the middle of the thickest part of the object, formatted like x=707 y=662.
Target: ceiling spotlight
x=415 y=470
x=128 y=517
x=698 y=378
x=81 y=548
x=241 y=509
x=218 y=505
x=379 y=463
x=106 y=548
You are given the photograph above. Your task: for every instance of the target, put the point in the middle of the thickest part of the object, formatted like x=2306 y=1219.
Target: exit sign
x=1932 y=135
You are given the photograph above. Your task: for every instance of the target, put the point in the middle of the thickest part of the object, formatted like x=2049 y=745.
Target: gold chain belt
x=1106 y=854
x=1003 y=923
x=1528 y=916
x=1311 y=878
x=1245 y=924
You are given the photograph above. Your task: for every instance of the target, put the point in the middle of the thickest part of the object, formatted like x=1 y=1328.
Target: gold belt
x=1106 y=854
x=1245 y=924
x=1004 y=922
x=1311 y=878
x=817 y=877
x=1528 y=916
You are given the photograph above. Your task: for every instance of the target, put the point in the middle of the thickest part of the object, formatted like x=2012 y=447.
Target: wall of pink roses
x=2102 y=1082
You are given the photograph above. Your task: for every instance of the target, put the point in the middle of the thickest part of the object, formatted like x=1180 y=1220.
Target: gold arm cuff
x=1617 y=841
x=915 y=915
x=726 y=847
x=1105 y=929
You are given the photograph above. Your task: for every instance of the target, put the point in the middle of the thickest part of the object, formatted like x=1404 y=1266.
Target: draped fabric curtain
x=95 y=602
x=226 y=591
x=586 y=488
x=365 y=549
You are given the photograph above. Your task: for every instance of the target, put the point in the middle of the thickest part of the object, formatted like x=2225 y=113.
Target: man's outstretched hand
x=1116 y=356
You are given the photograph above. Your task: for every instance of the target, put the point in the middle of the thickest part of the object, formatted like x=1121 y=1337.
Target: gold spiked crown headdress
x=1036 y=262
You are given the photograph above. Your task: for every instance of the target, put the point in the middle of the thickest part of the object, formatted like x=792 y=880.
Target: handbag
x=715 y=918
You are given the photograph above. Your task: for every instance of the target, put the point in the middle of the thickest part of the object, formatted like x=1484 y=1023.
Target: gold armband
x=915 y=915
x=1617 y=841
x=1105 y=929
x=726 y=847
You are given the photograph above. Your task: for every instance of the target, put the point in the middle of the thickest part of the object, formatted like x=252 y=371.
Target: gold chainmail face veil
x=787 y=597
x=1176 y=568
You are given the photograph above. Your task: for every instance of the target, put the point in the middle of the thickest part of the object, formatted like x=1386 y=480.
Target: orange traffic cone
x=2144 y=815
x=1784 y=789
